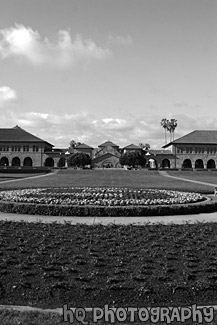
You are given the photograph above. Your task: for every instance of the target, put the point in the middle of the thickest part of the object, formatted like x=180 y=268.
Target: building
x=196 y=150
x=107 y=155
x=21 y=148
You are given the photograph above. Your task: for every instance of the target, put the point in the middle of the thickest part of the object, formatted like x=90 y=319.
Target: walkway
x=164 y=173
x=178 y=219
x=31 y=177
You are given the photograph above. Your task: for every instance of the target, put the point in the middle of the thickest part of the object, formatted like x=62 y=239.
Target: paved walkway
x=31 y=177
x=178 y=219
x=164 y=173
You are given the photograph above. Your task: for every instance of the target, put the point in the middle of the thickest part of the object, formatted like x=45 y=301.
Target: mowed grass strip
x=109 y=178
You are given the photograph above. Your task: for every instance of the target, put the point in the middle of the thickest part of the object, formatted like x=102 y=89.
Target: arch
x=199 y=163
x=117 y=165
x=15 y=162
x=107 y=164
x=211 y=164
x=152 y=163
x=27 y=162
x=187 y=163
x=4 y=161
x=49 y=162
x=61 y=162
x=165 y=163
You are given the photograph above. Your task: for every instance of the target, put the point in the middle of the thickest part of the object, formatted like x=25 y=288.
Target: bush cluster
x=114 y=211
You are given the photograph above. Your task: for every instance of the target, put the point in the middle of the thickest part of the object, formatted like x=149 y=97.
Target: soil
x=48 y=265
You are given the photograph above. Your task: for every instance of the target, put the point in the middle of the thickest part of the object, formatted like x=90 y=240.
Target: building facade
x=20 y=148
x=196 y=150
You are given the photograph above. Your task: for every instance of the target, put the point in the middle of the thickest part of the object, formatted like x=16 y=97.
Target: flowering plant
x=99 y=196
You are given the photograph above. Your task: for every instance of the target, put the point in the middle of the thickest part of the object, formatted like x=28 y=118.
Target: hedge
x=114 y=211
x=24 y=170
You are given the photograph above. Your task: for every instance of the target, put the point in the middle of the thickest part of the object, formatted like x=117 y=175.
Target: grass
x=110 y=178
x=201 y=176
x=9 y=317
x=125 y=266
x=116 y=178
x=10 y=176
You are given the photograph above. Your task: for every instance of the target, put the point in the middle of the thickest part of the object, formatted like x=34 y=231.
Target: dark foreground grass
x=109 y=178
x=49 y=265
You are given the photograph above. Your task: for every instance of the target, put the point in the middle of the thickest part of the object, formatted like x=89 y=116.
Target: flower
x=99 y=196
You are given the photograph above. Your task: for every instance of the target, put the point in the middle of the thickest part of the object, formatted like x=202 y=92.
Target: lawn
x=109 y=178
x=10 y=176
x=48 y=265
x=201 y=176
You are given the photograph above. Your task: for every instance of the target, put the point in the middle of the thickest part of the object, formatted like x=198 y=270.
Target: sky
x=98 y=70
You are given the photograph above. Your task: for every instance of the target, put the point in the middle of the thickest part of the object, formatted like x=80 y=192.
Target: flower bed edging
x=118 y=211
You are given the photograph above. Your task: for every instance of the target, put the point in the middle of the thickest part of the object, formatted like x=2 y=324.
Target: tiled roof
x=83 y=146
x=108 y=143
x=197 y=137
x=17 y=134
x=132 y=146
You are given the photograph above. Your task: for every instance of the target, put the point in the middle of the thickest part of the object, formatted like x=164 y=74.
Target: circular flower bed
x=85 y=196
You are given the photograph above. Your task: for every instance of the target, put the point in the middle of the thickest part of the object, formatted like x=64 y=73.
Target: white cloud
x=24 y=42
x=7 y=94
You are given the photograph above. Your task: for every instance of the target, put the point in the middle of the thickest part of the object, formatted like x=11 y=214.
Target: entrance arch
x=49 y=162
x=152 y=163
x=211 y=164
x=15 y=161
x=199 y=163
x=187 y=163
x=165 y=163
x=27 y=162
x=107 y=164
x=61 y=162
x=4 y=161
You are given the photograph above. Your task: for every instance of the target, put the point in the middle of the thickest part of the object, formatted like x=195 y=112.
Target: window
x=15 y=148
x=25 y=148
x=35 y=148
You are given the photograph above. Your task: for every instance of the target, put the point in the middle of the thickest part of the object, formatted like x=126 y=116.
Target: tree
x=132 y=158
x=145 y=146
x=173 y=125
x=79 y=159
x=170 y=127
x=73 y=144
x=164 y=123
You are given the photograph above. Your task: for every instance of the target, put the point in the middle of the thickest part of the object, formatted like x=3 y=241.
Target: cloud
x=60 y=129
x=7 y=94
x=120 y=40
x=24 y=42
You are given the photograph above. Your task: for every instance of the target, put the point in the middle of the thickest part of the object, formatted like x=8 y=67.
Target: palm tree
x=173 y=125
x=164 y=123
